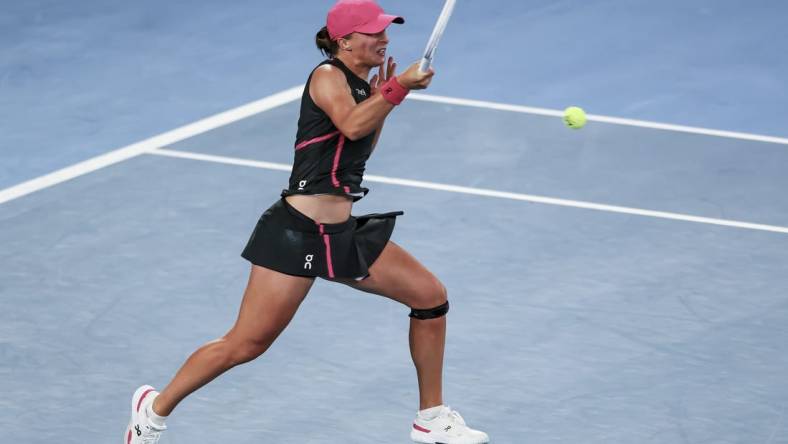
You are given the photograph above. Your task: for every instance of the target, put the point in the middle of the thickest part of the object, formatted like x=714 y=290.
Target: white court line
x=147 y=145
x=225 y=160
x=597 y=118
x=484 y=192
x=292 y=94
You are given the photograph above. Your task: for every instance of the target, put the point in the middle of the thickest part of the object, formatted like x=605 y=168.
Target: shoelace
x=151 y=436
x=455 y=415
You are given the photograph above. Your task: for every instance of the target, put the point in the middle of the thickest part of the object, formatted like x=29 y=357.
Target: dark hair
x=325 y=44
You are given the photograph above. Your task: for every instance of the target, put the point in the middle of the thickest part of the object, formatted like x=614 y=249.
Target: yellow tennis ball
x=574 y=117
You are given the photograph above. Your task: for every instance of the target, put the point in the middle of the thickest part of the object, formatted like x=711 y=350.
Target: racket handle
x=424 y=66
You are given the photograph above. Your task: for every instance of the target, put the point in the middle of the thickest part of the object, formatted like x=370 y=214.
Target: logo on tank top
x=361 y=92
x=308 y=263
x=301 y=185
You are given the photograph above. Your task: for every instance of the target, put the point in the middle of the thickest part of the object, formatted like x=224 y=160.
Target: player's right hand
x=415 y=79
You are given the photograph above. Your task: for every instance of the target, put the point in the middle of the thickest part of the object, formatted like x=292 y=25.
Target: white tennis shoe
x=447 y=428
x=141 y=430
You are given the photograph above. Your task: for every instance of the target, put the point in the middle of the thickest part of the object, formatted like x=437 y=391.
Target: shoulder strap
x=351 y=76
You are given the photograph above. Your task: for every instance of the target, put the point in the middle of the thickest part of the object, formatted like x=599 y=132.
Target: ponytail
x=325 y=44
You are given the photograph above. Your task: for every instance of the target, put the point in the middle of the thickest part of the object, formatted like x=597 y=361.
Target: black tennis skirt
x=288 y=241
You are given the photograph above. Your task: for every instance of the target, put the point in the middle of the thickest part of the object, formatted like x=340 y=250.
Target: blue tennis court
x=622 y=283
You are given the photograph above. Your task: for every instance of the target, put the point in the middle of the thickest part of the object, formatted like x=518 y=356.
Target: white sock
x=155 y=419
x=431 y=413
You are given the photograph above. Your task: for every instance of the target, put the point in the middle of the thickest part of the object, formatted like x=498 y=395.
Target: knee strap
x=430 y=313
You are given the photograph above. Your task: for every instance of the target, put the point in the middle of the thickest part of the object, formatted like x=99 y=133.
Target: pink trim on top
x=340 y=145
x=144 y=394
x=315 y=140
x=327 y=241
x=421 y=429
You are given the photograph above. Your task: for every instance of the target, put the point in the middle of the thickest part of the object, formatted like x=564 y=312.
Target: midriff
x=322 y=208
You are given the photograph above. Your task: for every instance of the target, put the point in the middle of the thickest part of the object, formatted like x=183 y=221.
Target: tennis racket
x=437 y=32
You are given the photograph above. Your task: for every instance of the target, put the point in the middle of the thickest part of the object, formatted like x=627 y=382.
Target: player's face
x=371 y=47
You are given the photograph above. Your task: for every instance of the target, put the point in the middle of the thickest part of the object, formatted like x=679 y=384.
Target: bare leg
x=399 y=276
x=427 y=340
x=269 y=303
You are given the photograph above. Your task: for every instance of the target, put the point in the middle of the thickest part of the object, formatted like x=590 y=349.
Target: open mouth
x=381 y=52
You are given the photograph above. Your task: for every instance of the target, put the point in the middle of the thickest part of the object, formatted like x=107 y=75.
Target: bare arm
x=375 y=83
x=330 y=92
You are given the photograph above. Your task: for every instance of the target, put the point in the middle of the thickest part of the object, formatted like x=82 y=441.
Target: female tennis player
x=310 y=232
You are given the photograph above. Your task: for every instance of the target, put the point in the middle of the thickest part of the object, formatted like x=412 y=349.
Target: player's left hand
x=382 y=76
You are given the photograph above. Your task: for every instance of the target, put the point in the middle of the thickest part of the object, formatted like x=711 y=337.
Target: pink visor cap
x=348 y=16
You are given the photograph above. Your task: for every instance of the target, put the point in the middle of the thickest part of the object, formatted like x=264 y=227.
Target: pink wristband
x=393 y=91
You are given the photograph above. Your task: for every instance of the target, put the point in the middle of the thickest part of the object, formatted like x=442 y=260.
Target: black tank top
x=326 y=162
